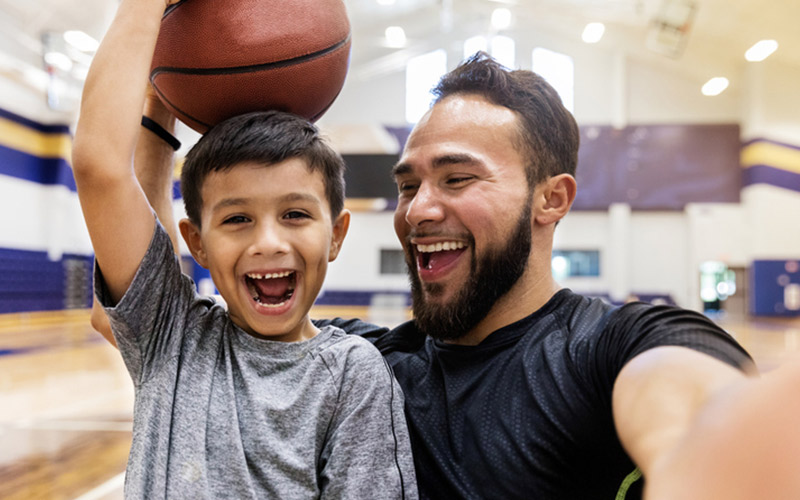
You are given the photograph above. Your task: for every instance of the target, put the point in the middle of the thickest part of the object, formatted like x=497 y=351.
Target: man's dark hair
x=549 y=135
x=265 y=138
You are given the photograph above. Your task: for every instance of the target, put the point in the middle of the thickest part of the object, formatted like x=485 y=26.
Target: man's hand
x=745 y=444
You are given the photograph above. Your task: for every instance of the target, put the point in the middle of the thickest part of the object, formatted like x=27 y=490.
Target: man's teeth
x=255 y=276
x=438 y=247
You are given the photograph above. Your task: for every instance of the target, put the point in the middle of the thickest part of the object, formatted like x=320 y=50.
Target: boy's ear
x=340 y=227
x=553 y=198
x=191 y=235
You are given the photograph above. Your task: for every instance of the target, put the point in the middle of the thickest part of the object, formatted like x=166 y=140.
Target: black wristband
x=161 y=132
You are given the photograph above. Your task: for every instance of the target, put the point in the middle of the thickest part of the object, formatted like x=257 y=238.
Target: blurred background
x=689 y=166
x=689 y=183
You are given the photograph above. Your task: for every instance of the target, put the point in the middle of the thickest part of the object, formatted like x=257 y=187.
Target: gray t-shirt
x=221 y=414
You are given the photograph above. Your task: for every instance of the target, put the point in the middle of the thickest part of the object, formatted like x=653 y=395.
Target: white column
x=618 y=260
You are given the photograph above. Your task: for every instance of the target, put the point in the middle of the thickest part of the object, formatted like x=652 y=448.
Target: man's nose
x=426 y=206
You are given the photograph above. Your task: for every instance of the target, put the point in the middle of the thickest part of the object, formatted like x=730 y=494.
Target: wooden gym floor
x=66 y=400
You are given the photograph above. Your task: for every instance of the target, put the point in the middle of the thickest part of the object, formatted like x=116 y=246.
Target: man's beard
x=489 y=278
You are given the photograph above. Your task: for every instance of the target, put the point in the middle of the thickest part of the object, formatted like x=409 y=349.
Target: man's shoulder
x=577 y=313
x=353 y=326
x=402 y=338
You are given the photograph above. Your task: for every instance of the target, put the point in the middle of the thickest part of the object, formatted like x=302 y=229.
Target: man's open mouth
x=271 y=290
x=438 y=254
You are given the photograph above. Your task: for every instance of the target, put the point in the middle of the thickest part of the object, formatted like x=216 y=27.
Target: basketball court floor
x=66 y=400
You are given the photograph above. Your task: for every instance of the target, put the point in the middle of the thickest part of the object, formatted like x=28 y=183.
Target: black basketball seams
x=252 y=68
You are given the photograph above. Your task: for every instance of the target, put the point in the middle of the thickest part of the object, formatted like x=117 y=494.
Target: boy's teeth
x=254 y=291
x=438 y=247
x=256 y=276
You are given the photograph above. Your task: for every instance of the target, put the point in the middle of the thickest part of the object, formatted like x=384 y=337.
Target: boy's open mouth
x=271 y=289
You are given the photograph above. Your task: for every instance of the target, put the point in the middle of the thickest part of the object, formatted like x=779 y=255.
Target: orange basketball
x=215 y=59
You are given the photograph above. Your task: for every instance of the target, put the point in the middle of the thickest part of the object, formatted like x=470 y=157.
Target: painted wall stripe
x=765 y=174
x=26 y=166
x=769 y=162
x=35 y=142
x=41 y=127
x=772 y=154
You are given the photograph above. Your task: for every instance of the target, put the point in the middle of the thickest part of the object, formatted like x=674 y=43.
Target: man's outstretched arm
x=698 y=428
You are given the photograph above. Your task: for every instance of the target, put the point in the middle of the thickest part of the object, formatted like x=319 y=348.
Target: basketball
x=214 y=60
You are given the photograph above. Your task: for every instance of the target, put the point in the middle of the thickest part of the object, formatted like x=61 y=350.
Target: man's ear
x=191 y=235
x=554 y=198
x=340 y=227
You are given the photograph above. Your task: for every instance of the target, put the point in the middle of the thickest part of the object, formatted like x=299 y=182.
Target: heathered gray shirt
x=221 y=414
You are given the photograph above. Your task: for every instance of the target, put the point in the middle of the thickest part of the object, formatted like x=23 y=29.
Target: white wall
x=358 y=264
x=658 y=255
x=716 y=232
x=771 y=103
x=587 y=231
x=773 y=222
x=41 y=218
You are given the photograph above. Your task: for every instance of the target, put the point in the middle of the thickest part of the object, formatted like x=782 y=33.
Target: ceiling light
x=501 y=18
x=81 y=41
x=395 y=37
x=715 y=86
x=593 y=32
x=761 y=50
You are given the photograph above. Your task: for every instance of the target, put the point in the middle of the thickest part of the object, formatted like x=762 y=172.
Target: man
x=516 y=388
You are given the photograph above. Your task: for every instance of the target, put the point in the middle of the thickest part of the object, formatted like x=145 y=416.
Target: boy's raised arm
x=117 y=214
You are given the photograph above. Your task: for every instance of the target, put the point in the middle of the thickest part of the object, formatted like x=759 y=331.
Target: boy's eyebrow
x=438 y=162
x=229 y=202
x=289 y=197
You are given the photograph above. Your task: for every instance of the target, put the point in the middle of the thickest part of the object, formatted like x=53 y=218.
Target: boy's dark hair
x=267 y=137
x=549 y=135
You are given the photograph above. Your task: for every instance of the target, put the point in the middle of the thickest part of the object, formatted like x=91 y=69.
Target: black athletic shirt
x=526 y=414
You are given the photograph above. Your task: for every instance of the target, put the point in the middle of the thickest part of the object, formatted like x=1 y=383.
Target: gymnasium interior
x=688 y=187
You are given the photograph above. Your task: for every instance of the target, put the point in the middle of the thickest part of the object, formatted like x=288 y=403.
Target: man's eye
x=235 y=219
x=405 y=187
x=458 y=180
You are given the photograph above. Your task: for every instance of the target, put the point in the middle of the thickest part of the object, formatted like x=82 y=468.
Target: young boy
x=252 y=401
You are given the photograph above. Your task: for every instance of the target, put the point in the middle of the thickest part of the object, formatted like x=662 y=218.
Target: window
x=559 y=72
x=575 y=263
x=502 y=48
x=393 y=262
x=422 y=74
